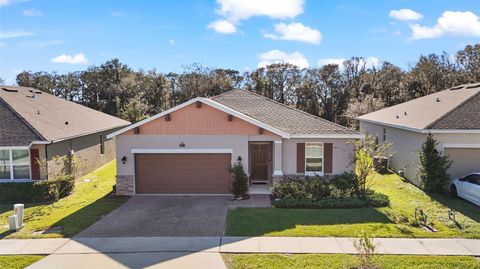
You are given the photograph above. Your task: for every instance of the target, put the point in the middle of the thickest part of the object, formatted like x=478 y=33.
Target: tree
x=360 y=107
x=365 y=151
x=135 y=110
x=433 y=166
x=239 y=180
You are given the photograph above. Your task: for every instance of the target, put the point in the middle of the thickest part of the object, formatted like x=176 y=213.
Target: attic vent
x=9 y=90
x=438 y=99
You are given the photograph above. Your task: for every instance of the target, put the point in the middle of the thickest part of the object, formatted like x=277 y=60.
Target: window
x=313 y=157
x=102 y=145
x=14 y=164
x=384 y=134
x=473 y=178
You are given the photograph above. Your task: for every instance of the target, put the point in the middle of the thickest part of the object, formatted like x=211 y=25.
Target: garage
x=465 y=160
x=177 y=173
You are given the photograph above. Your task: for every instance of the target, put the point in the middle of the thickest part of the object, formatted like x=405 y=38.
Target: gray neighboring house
x=35 y=125
x=452 y=116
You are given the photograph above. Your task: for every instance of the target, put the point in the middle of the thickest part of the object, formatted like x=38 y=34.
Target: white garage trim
x=463 y=146
x=182 y=151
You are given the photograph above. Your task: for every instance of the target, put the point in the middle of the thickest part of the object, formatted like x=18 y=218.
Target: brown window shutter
x=300 y=157
x=328 y=158
x=34 y=166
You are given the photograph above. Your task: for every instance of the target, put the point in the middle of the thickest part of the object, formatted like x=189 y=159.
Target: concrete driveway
x=150 y=215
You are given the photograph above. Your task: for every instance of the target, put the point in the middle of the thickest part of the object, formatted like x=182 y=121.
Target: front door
x=259 y=159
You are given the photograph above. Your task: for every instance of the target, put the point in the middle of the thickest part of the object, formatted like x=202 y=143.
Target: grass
x=343 y=261
x=393 y=221
x=18 y=261
x=89 y=202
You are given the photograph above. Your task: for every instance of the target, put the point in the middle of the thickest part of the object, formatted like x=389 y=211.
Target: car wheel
x=453 y=191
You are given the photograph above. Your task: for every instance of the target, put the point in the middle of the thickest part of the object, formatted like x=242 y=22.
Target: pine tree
x=239 y=180
x=433 y=166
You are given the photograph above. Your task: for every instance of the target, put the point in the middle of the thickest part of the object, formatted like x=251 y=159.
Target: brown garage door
x=182 y=173
x=465 y=160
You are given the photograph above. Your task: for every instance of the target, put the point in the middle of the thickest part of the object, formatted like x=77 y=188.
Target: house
x=452 y=116
x=191 y=147
x=35 y=127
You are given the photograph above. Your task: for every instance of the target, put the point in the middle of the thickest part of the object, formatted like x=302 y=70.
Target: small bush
x=239 y=180
x=40 y=191
x=345 y=181
x=376 y=199
x=313 y=188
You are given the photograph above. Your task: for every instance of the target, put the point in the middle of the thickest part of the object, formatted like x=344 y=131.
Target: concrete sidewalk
x=226 y=244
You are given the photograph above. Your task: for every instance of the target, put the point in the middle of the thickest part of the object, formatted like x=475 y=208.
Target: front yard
x=343 y=261
x=89 y=202
x=392 y=221
x=18 y=261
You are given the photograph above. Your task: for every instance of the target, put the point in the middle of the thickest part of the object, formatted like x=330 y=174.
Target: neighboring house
x=35 y=125
x=452 y=116
x=191 y=147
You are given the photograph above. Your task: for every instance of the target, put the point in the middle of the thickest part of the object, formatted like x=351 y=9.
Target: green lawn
x=18 y=261
x=392 y=221
x=87 y=204
x=343 y=261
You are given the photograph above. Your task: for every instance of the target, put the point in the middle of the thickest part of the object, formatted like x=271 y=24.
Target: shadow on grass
x=73 y=223
x=466 y=208
x=88 y=215
x=260 y=221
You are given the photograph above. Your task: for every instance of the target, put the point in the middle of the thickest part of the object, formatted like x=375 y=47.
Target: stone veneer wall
x=124 y=185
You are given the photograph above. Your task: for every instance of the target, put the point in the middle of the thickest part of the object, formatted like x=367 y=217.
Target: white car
x=467 y=187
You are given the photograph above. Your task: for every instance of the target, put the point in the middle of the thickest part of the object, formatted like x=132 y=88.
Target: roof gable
x=15 y=132
x=56 y=118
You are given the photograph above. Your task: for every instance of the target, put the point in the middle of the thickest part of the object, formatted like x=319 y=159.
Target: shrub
x=433 y=166
x=313 y=188
x=40 y=191
x=376 y=199
x=345 y=181
x=239 y=180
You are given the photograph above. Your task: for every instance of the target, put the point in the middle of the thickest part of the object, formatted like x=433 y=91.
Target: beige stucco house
x=35 y=125
x=452 y=116
x=191 y=147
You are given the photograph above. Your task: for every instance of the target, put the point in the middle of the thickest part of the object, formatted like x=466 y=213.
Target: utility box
x=380 y=164
x=13 y=223
x=18 y=210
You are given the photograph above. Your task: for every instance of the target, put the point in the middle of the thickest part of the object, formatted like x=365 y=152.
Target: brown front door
x=259 y=161
x=182 y=173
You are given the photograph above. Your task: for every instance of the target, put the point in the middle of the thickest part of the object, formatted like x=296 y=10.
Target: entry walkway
x=204 y=252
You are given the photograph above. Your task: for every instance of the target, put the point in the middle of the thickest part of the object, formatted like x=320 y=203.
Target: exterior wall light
x=182 y=145
x=124 y=159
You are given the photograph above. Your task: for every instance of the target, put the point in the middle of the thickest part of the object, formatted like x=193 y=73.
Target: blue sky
x=71 y=35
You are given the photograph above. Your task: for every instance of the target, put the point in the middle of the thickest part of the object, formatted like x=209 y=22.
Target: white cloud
x=69 y=59
x=43 y=44
x=32 y=12
x=171 y=41
x=277 y=56
x=455 y=23
x=236 y=10
x=118 y=14
x=223 y=27
x=2 y=45
x=14 y=34
x=337 y=61
x=9 y=2
x=405 y=14
x=371 y=62
x=295 y=31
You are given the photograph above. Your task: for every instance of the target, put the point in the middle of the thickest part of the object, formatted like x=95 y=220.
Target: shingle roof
x=454 y=108
x=55 y=118
x=277 y=115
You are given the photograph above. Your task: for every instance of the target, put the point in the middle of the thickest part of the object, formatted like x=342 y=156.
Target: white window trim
x=10 y=154
x=311 y=173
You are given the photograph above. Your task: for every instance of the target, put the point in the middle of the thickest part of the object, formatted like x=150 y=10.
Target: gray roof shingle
x=55 y=118
x=14 y=131
x=277 y=115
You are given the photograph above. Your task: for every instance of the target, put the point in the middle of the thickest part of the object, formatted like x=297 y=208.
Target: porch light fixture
x=124 y=159
x=239 y=159
x=182 y=145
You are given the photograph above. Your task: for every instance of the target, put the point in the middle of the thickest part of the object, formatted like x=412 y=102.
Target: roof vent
x=457 y=88
x=9 y=90
x=35 y=92
x=397 y=117
x=437 y=100
x=66 y=123
x=405 y=113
